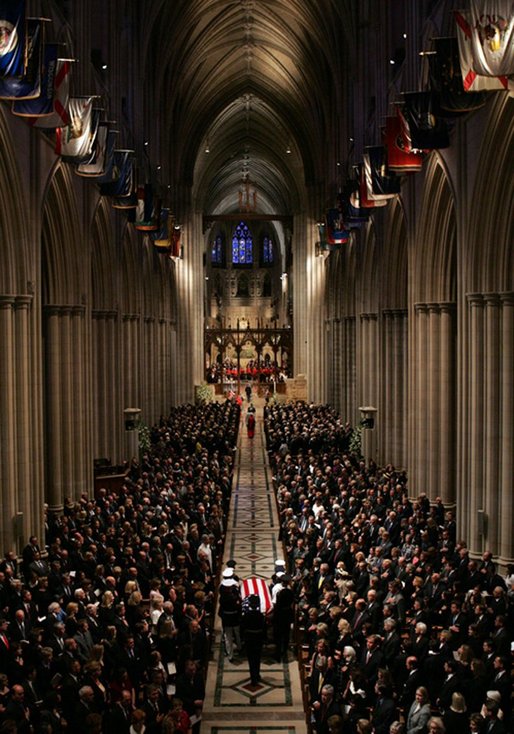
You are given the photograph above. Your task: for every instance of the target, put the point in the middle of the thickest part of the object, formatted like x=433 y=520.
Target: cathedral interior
x=253 y=121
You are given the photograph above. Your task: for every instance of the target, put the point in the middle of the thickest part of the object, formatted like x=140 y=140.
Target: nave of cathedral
x=275 y=246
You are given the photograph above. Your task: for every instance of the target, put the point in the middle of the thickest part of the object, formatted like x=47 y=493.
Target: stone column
x=81 y=412
x=433 y=416
x=387 y=387
x=100 y=384
x=68 y=404
x=492 y=420
x=506 y=369
x=24 y=452
x=149 y=369
x=447 y=402
x=368 y=359
x=127 y=345
x=419 y=458
x=8 y=483
x=55 y=488
x=399 y=399
x=114 y=386
x=476 y=417
x=350 y=363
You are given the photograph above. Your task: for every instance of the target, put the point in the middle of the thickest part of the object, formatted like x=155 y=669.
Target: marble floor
x=232 y=704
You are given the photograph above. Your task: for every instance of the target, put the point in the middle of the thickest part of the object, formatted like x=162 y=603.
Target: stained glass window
x=217 y=251
x=242 y=245
x=267 y=251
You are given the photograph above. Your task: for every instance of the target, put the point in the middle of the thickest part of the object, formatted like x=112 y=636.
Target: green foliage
x=203 y=393
x=356 y=441
x=144 y=437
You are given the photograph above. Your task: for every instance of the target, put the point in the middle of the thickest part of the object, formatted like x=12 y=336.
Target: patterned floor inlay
x=232 y=703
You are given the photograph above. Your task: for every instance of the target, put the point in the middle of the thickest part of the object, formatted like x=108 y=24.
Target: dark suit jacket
x=383 y=715
x=391 y=648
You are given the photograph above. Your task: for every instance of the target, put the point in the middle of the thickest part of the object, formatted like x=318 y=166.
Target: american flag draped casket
x=255 y=585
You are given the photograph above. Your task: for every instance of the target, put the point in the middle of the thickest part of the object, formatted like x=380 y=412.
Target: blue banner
x=12 y=38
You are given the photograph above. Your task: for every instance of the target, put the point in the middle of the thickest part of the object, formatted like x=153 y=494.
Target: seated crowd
x=401 y=629
x=107 y=628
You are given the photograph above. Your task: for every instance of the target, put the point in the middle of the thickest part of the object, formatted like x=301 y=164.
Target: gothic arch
x=393 y=282
x=491 y=230
x=435 y=249
x=62 y=277
x=14 y=270
x=105 y=292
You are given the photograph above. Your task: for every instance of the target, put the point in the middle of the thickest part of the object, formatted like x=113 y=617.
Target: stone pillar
x=131 y=355
x=368 y=359
x=506 y=369
x=55 y=487
x=476 y=418
x=81 y=411
x=351 y=368
x=492 y=420
x=68 y=405
x=7 y=421
x=24 y=449
x=114 y=386
x=433 y=418
x=99 y=384
x=387 y=387
x=418 y=459
x=447 y=402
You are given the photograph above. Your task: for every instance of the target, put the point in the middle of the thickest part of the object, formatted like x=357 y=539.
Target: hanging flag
x=336 y=232
x=426 y=131
x=354 y=215
x=492 y=36
x=122 y=171
x=349 y=200
x=366 y=201
x=473 y=81
x=161 y=237
x=95 y=165
x=399 y=160
x=446 y=80
x=12 y=38
x=380 y=184
x=147 y=210
x=74 y=141
x=107 y=175
x=55 y=112
x=127 y=204
x=43 y=103
x=27 y=86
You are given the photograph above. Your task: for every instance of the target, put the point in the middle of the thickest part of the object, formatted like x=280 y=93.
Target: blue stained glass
x=267 y=251
x=242 y=253
x=217 y=251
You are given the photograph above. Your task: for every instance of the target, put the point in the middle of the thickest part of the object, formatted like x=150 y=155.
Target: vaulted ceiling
x=258 y=84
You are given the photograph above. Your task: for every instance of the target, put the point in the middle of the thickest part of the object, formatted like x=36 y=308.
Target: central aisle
x=231 y=705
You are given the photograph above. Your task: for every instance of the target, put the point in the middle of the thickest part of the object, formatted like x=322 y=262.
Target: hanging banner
x=12 y=38
x=74 y=141
x=399 y=160
x=472 y=80
x=27 y=86
x=43 y=103
x=95 y=165
x=336 y=232
x=426 y=131
x=492 y=36
x=446 y=80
